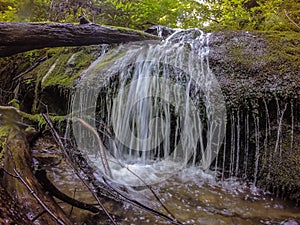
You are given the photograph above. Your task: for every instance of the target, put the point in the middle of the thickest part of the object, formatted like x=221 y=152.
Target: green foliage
x=118 y=13
x=140 y=14
x=8 y=10
x=217 y=14
x=24 y=11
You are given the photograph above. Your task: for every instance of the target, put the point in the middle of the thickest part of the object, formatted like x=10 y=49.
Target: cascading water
x=159 y=102
x=161 y=119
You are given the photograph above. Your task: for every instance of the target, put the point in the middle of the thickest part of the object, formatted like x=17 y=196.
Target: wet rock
x=160 y=31
x=290 y=222
x=255 y=65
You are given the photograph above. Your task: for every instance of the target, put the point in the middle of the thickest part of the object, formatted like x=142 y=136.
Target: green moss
x=4 y=131
x=238 y=54
x=40 y=121
x=109 y=59
x=284 y=174
x=61 y=68
x=280 y=170
x=37 y=74
x=66 y=65
x=56 y=75
x=126 y=29
x=285 y=48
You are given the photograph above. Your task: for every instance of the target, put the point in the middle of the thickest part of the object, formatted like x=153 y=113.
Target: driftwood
x=21 y=37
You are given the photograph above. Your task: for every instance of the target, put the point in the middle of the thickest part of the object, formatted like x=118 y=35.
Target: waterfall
x=159 y=109
x=156 y=105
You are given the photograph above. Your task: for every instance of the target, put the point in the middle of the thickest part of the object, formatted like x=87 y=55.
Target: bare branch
x=47 y=184
x=101 y=146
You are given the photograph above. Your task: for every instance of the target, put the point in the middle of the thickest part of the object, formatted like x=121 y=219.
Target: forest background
x=209 y=15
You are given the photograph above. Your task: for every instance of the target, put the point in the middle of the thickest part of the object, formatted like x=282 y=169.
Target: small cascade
x=238 y=141
x=155 y=105
x=292 y=124
x=280 y=114
x=233 y=146
x=246 y=146
x=259 y=138
x=257 y=145
x=159 y=109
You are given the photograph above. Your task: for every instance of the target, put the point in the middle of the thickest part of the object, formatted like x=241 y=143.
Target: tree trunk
x=21 y=37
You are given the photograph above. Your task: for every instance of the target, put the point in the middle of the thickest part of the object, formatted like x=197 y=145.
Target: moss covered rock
x=253 y=65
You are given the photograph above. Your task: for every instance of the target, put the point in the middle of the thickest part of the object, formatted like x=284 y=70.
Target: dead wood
x=23 y=186
x=47 y=184
x=10 y=211
x=21 y=37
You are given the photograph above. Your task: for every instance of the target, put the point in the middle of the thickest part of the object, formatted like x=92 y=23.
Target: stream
x=193 y=197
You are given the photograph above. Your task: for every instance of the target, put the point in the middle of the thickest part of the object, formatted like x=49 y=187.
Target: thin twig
x=36 y=63
x=8 y=173
x=37 y=198
x=72 y=207
x=101 y=147
x=290 y=19
x=142 y=206
x=38 y=215
x=69 y=161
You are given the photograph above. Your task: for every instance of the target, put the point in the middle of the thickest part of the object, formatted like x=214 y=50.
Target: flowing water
x=162 y=121
x=158 y=105
x=194 y=197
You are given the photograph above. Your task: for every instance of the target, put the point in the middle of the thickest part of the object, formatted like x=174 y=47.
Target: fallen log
x=21 y=37
x=10 y=212
x=20 y=182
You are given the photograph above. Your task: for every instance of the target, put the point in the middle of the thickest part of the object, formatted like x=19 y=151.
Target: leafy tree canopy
x=140 y=14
